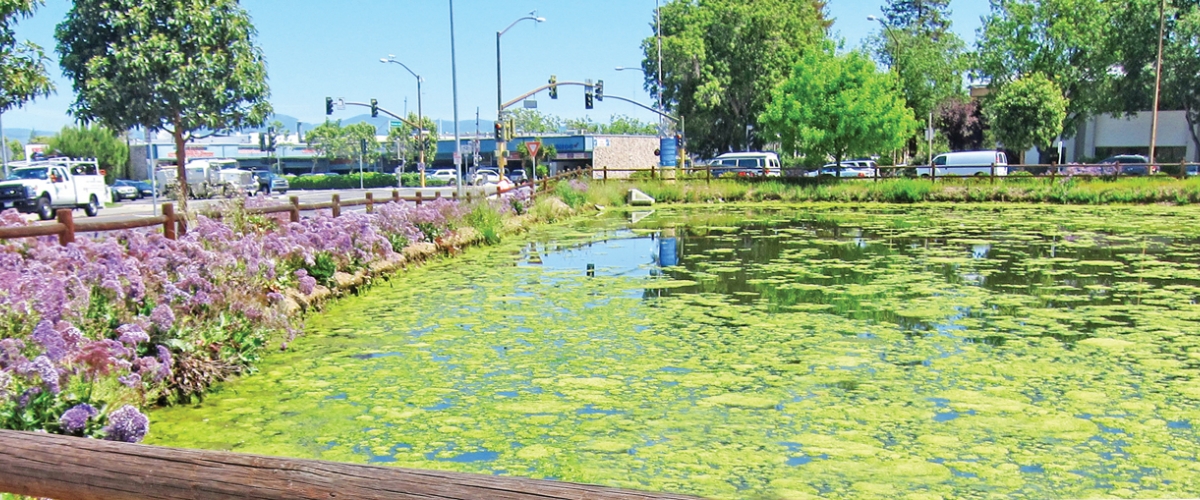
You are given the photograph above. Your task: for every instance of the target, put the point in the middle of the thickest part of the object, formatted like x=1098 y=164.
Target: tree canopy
x=185 y=66
x=334 y=142
x=919 y=46
x=94 y=141
x=410 y=144
x=23 y=75
x=722 y=58
x=839 y=106
x=1027 y=112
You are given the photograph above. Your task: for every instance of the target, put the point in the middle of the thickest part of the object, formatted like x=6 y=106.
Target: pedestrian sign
x=533 y=148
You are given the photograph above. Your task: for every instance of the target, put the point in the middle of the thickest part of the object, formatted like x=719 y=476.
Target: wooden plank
x=117 y=225
x=62 y=467
x=30 y=231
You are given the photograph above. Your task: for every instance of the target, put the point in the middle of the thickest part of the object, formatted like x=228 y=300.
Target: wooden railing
x=65 y=226
x=63 y=467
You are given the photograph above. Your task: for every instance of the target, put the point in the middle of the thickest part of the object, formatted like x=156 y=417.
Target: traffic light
x=587 y=95
x=599 y=90
x=553 y=87
x=328 y=105
x=271 y=139
x=374 y=108
x=262 y=142
x=499 y=131
x=510 y=130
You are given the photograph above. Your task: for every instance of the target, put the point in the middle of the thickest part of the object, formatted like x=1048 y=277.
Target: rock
x=420 y=251
x=344 y=281
x=639 y=199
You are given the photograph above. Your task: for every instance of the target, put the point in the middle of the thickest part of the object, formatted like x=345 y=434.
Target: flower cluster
x=131 y=310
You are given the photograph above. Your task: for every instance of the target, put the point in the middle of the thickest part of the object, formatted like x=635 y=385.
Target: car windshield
x=28 y=173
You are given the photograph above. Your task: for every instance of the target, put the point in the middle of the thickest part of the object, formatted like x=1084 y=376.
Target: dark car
x=1131 y=164
x=133 y=190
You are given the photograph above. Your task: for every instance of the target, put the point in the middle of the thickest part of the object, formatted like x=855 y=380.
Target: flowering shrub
x=93 y=331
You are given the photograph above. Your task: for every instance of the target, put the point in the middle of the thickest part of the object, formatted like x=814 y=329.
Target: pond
x=764 y=352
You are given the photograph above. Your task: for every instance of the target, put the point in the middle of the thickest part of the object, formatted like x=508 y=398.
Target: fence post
x=993 y=172
x=1053 y=173
x=168 y=211
x=468 y=196
x=652 y=168
x=370 y=202
x=418 y=198
x=605 y=170
x=66 y=217
x=708 y=174
x=395 y=196
x=295 y=208
x=337 y=205
x=1183 y=169
x=438 y=194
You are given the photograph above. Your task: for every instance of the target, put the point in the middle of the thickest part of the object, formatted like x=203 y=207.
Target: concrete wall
x=623 y=152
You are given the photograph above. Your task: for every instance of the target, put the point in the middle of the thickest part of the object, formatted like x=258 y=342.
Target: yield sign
x=533 y=148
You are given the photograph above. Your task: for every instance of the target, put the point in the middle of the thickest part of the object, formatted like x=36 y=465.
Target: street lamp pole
x=896 y=40
x=420 y=117
x=1162 y=9
x=500 y=145
x=454 y=84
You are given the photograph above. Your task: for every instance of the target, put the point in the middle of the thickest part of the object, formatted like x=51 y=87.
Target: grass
x=1069 y=191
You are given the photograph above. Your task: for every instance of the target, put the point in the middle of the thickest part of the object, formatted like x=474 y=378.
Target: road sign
x=530 y=104
x=396 y=124
x=533 y=148
x=457 y=158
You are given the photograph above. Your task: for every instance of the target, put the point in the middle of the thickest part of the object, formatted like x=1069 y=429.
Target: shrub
x=487 y=221
x=570 y=195
x=369 y=180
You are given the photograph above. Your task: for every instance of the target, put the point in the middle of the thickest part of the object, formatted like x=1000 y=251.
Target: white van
x=964 y=163
x=758 y=162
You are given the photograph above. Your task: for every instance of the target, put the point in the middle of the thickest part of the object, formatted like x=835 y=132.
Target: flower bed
x=93 y=332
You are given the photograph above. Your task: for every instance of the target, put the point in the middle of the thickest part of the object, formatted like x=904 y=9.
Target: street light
x=658 y=86
x=500 y=146
x=420 y=118
x=929 y=130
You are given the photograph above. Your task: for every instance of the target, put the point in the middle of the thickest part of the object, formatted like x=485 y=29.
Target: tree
x=1064 y=40
x=722 y=58
x=584 y=125
x=188 y=67
x=1027 y=112
x=335 y=142
x=16 y=151
x=94 y=141
x=23 y=75
x=1181 y=68
x=626 y=125
x=411 y=144
x=918 y=45
x=532 y=121
x=961 y=122
x=839 y=106
x=546 y=152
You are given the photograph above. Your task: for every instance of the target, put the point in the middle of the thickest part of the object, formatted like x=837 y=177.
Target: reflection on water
x=770 y=352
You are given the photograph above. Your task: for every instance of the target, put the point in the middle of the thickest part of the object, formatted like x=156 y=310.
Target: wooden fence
x=66 y=227
x=63 y=467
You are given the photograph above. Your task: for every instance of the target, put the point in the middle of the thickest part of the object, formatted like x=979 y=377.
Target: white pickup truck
x=44 y=186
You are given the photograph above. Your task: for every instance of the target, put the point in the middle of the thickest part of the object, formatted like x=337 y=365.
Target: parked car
x=850 y=168
x=443 y=174
x=752 y=162
x=124 y=190
x=144 y=188
x=269 y=182
x=517 y=175
x=967 y=163
x=485 y=176
x=1131 y=164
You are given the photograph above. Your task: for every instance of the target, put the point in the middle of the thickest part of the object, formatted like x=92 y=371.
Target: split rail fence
x=993 y=172
x=174 y=225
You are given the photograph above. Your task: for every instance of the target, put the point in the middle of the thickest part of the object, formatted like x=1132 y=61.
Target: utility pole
x=1162 y=8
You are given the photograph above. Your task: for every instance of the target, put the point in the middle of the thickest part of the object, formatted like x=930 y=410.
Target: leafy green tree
x=626 y=125
x=585 y=125
x=16 y=150
x=839 y=106
x=1027 y=112
x=23 y=75
x=410 y=144
x=94 y=141
x=1181 y=68
x=722 y=58
x=334 y=142
x=919 y=46
x=188 y=67
x=546 y=152
x=1067 y=41
x=532 y=121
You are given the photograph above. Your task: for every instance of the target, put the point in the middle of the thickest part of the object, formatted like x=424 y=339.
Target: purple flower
x=74 y=420
x=305 y=282
x=164 y=364
x=10 y=353
x=49 y=338
x=49 y=373
x=127 y=424
x=131 y=380
x=163 y=317
x=274 y=297
x=5 y=380
x=29 y=394
x=132 y=335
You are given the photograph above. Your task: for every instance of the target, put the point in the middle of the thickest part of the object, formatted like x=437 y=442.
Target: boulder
x=639 y=199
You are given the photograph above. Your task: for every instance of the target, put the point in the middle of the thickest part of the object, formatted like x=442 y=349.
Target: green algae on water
x=764 y=352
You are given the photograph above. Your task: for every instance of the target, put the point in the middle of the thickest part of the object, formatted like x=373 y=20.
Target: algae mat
x=765 y=352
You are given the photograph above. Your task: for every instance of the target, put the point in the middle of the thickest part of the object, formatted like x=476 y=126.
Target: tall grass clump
x=487 y=220
x=572 y=193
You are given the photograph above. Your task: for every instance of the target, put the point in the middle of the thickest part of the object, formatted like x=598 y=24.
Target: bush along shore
x=94 y=333
x=1018 y=189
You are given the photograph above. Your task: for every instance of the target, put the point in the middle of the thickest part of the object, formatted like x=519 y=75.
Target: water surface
x=764 y=352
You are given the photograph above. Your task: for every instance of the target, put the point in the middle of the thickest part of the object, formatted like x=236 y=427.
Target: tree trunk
x=1188 y=114
x=181 y=159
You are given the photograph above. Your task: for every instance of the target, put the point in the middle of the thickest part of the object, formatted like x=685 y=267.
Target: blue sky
x=325 y=48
